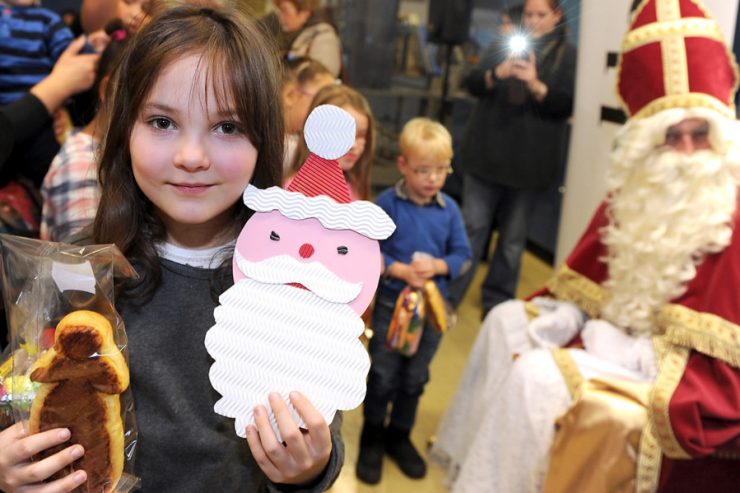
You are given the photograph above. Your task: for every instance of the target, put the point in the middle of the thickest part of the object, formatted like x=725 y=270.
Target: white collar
x=205 y=258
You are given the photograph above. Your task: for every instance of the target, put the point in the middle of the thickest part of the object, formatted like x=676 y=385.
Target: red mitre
x=674 y=56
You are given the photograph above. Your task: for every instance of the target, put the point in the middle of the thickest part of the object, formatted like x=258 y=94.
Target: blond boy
x=429 y=243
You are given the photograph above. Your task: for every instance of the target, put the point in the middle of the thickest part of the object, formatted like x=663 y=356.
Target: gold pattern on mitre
x=670 y=31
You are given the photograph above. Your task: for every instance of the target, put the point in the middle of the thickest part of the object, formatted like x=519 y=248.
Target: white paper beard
x=279 y=338
x=284 y=269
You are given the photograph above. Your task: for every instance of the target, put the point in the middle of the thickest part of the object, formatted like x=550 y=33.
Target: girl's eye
x=274 y=236
x=161 y=123
x=228 y=128
x=342 y=250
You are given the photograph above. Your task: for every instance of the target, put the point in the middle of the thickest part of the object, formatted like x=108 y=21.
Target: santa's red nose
x=306 y=250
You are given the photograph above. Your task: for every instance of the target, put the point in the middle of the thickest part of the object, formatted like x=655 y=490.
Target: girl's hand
x=303 y=455
x=18 y=473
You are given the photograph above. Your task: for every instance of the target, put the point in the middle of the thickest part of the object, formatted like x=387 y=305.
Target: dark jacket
x=512 y=139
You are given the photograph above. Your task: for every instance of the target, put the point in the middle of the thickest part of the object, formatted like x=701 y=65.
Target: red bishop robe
x=694 y=410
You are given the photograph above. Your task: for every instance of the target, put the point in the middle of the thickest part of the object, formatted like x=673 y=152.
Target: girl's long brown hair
x=242 y=64
x=342 y=95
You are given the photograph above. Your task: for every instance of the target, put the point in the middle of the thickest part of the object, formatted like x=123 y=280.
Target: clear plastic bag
x=68 y=361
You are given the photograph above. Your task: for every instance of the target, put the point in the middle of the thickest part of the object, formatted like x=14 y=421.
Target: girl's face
x=190 y=159
x=297 y=101
x=347 y=162
x=539 y=18
x=133 y=13
x=290 y=18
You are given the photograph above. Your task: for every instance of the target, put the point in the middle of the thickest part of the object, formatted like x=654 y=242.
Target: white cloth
x=497 y=433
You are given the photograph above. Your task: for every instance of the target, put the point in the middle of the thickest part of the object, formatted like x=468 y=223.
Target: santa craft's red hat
x=674 y=56
x=319 y=189
x=329 y=133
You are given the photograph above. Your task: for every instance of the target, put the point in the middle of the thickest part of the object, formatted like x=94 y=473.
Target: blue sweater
x=31 y=40
x=435 y=228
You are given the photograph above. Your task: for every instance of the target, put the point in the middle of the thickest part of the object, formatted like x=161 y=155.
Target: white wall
x=602 y=32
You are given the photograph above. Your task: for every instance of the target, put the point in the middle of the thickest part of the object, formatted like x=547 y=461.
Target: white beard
x=279 y=338
x=667 y=212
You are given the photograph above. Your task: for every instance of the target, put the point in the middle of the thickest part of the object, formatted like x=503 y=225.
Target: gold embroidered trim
x=690 y=100
x=667 y=10
x=569 y=285
x=569 y=370
x=676 y=69
x=727 y=455
x=705 y=332
x=660 y=345
x=672 y=367
x=690 y=27
x=648 y=462
x=531 y=310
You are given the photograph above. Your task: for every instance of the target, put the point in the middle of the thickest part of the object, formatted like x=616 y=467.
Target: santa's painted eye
x=274 y=236
x=342 y=250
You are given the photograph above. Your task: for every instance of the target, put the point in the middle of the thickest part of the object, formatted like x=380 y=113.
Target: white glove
x=606 y=341
x=558 y=325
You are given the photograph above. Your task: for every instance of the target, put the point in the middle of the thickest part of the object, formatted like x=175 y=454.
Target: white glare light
x=518 y=44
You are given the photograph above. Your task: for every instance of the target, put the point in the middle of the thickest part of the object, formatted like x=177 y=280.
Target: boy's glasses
x=428 y=172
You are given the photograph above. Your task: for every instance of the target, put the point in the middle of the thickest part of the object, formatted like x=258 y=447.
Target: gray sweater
x=183 y=445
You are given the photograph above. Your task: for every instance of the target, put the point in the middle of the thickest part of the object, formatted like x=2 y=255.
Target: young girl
x=193 y=121
x=356 y=163
x=302 y=79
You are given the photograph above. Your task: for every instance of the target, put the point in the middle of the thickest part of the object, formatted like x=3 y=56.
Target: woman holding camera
x=515 y=141
x=307 y=31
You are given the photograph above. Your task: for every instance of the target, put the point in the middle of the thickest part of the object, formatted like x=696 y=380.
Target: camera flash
x=518 y=44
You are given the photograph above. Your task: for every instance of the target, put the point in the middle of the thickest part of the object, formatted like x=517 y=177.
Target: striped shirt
x=31 y=40
x=70 y=189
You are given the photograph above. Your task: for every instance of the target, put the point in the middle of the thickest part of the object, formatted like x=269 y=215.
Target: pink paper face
x=349 y=255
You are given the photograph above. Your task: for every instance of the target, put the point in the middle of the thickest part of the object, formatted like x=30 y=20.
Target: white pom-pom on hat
x=329 y=131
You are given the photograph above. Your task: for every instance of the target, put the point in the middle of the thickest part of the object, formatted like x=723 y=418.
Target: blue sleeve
x=457 y=251
x=59 y=36
x=385 y=202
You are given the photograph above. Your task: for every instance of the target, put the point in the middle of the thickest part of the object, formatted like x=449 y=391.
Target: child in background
x=356 y=163
x=70 y=189
x=302 y=79
x=31 y=40
x=429 y=222
x=192 y=122
x=134 y=13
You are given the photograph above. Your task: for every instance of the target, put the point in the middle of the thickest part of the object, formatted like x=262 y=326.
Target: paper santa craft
x=306 y=266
